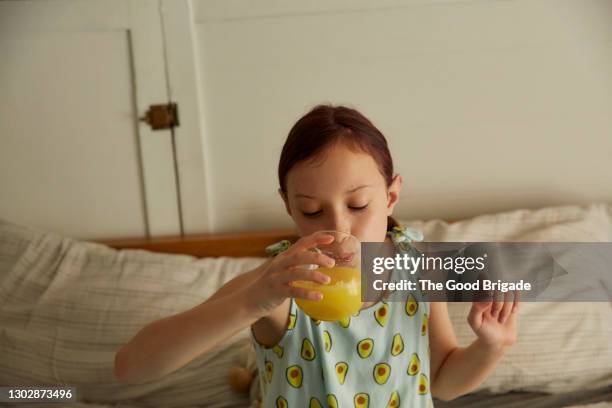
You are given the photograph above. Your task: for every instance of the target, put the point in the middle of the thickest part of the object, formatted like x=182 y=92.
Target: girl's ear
x=285 y=200
x=393 y=193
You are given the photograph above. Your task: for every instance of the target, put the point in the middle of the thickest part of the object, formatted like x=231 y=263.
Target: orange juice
x=341 y=296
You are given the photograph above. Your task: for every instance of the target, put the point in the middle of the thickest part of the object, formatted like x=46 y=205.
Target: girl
x=335 y=173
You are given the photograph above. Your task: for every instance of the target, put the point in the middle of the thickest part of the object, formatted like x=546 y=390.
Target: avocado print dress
x=378 y=357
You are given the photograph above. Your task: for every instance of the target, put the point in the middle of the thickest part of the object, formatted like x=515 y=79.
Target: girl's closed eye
x=316 y=213
x=357 y=208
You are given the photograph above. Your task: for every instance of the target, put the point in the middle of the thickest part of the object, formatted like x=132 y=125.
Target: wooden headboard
x=204 y=245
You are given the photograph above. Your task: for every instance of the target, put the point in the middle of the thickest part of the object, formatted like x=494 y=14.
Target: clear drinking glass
x=342 y=295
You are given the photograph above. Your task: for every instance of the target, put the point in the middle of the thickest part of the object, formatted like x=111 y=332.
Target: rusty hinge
x=163 y=116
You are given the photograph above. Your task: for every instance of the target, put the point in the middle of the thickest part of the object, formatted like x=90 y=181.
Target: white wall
x=487 y=105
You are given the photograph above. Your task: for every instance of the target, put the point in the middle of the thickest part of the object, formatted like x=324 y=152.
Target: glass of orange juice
x=342 y=295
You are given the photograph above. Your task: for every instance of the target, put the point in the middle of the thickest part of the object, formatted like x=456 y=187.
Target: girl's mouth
x=346 y=257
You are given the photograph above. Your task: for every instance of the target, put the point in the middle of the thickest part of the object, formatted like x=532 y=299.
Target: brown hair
x=326 y=125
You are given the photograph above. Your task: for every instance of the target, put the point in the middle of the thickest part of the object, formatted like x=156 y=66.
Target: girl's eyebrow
x=348 y=192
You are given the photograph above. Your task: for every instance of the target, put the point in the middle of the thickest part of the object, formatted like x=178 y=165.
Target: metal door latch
x=164 y=116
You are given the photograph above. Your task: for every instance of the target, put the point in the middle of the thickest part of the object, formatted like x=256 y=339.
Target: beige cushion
x=67 y=306
x=561 y=346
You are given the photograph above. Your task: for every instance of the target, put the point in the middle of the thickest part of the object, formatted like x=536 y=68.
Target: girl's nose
x=338 y=222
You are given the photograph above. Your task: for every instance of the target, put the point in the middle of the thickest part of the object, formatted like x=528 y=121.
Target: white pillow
x=561 y=347
x=67 y=306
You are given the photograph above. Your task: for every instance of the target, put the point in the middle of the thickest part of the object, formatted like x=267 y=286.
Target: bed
x=66 y=306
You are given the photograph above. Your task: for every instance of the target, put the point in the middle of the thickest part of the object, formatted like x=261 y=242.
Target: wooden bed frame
x=208 y=245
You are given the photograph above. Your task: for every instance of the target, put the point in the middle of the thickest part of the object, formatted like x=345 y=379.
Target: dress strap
x=278 y=247
x=402 y=236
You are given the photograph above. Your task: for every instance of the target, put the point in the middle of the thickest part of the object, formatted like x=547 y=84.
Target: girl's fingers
x=516 y=302
x=481 y=306
x=506 y=308
x=310 y=241
x=306 y=258
x=304 y=274
x=497 y=303
x=302 y=293
x=475 y=315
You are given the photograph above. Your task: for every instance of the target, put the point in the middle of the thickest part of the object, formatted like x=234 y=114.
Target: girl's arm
x=170 y=343
x=458 y=370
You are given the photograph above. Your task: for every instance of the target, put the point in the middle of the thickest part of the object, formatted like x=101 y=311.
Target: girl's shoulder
x=401 y=235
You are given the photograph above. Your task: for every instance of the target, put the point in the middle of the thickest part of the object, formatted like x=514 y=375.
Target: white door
x=74 y=77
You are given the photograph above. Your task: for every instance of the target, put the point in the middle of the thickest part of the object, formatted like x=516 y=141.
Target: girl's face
x=341 y=190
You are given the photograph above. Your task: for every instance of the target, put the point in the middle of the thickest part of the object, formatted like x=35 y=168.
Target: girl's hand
x=274 y=284
x=494 y=321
